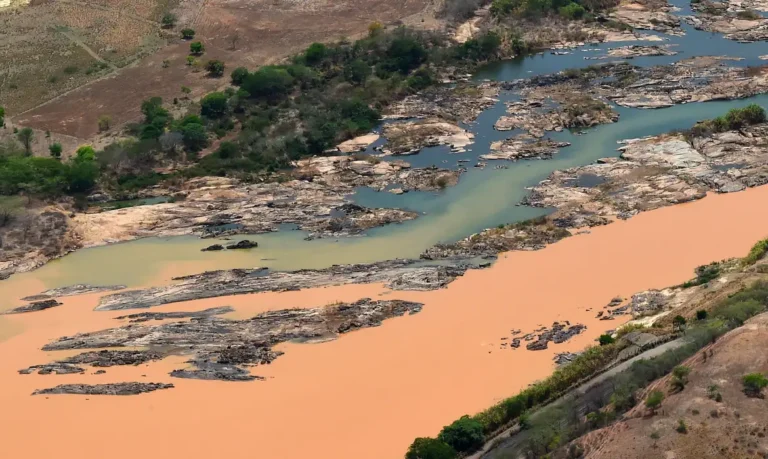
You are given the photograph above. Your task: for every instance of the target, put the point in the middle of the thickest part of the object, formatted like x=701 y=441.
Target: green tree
x=215 y=68
x=357 y=71
x=701 y=314
x=500 y=8
x=405 y=54
x=214 y=105
x=194 y=136
x=55 y=149
x=25 y=136
x=270 y=83
x=238 y=75
x=606 y=339
x=187 y=34
x=429 y=448
x=2 y=117
x=464 y=434
x=196 y=48
x=315 y=53
x=572 y=11
x=653 y=402
x=82 y=174
x=680 y=377
x=169 y=20
x=754 y=383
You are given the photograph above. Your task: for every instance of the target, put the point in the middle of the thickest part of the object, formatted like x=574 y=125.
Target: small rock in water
x=213 y=248
x=244 y=244
x=35 y=306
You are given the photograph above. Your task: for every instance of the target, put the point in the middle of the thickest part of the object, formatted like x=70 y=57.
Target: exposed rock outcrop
x=127 y=388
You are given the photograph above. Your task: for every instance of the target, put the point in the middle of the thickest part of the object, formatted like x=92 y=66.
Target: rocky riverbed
x=395 y=274
x=218 y=348
x=736 y=20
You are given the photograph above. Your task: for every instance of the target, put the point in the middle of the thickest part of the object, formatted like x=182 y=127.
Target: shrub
x=315 y=53
x=105 y=122
x=194 y=136
x=168 y=20
x=606 y=339
x=357 y=71
x=238 y=75
x=214 y=105
x=25 y=136
x=55 y=149
x=679 y=377
x=2 y=117
x=572 y=11
x=756 y=253
x=754 y=384
x=270 y=83
x=196 y=48
x=215 y=68
x=654 y=399
x=375 y=28
x=464 y=435
x=187 y=34
x=429 y=448
x=678 y=322
x=749 y=15
x=681 y=427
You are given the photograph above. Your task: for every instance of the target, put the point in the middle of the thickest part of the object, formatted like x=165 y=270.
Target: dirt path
x=86 y=48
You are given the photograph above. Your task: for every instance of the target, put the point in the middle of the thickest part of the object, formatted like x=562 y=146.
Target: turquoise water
x=482 y=199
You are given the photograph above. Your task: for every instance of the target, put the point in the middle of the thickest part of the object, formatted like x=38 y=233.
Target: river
x=370 y=393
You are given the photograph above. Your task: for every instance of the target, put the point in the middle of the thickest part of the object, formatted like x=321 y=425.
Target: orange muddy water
x=370 y=392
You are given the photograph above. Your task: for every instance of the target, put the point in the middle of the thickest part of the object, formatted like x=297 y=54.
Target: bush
x=678 y=322
x=605 y=340
x=756 y=253
x=679 y=377
x=681 y=427
x=357 y=71
x=269 y=83
x=701 y=314
x=754 y=384
x=196 y=48
x=25 y=136
x=430 y=448
x=214 y=105
x=572 y=11
x=464 y=435
x=105 y=122
x=238 y=75
x=315 y=54
x=653 y=402
x=55 y=149
x=194 y=136
x=169 y=20
x=187 y=34
x=2 y=117
x=215 y=68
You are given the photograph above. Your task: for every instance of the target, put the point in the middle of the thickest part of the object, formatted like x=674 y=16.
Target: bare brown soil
x=241 y=33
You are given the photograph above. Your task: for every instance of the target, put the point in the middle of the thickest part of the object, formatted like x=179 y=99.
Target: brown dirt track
x=267 y=30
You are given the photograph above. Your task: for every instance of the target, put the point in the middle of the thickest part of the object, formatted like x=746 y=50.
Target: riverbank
x=399 y=374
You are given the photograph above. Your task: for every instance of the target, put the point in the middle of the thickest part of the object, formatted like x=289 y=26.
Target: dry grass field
x=121 y=32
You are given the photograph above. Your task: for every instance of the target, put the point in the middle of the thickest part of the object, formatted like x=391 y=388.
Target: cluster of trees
x=21 y=173
x=537 y=8
x=324 y=95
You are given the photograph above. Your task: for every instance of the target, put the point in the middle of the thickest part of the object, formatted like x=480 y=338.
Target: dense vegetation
x=325 y=95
